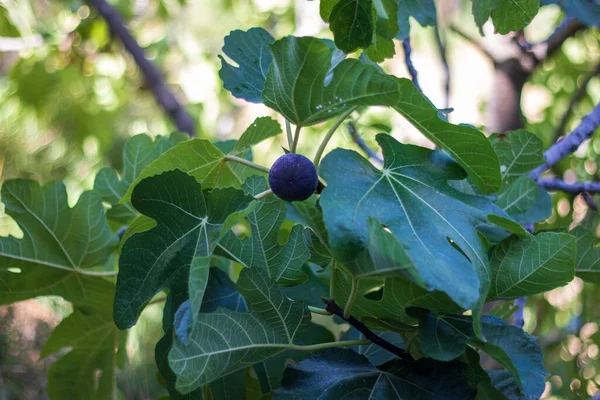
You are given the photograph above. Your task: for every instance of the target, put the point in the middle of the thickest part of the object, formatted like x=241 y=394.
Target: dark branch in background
x=361 y=143
x=443 y=55
x=333 y=308
x=572 y=188
x=182 y=120
x=576 y=99
x=409 y=63
x=474 y=42
x=568 y=145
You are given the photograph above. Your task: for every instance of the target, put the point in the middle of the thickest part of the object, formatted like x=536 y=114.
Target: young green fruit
x=293 y=177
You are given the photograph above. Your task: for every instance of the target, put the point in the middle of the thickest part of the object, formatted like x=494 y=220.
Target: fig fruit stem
x=351 y=298
x=329 y=135
x=296 y=139
x=288 y=130
x=264 y=194
x=247 y=163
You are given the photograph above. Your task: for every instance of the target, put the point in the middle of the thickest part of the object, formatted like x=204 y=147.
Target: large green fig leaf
x=295 y=88
x=507 y=15
x=411 y=198
x=249 y=50
x=445 y=337
x=343 y=374
x=282 y=263
x=139 y=151
x=201 y=159
x=587 y=266
x=190 y=222
x=530 y=265
x=225 y=341
x=57 y=243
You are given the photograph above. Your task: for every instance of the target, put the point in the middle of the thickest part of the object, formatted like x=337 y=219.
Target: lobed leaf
x=190 y=222
x=224 y=341
x=295 y=87
x=57 y=243
x=204 y=161
x=410 y=196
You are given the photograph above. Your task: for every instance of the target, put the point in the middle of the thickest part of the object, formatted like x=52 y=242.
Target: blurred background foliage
x=70 y=97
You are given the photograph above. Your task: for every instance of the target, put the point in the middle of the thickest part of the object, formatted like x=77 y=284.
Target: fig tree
x=293 y=177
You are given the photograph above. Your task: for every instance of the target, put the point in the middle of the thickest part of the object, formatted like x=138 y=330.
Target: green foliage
x=347 y=372
x=413 y=249
x=224 y=341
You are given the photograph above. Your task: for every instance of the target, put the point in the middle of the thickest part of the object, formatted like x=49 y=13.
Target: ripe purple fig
x=293 y=177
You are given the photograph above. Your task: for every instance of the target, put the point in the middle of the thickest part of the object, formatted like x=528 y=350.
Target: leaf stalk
x=247 y=163
x=329 y=135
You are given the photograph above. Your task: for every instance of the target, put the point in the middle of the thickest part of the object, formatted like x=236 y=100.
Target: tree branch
x=333 y=308
x=409 y=64
x=573 y=188
x=568 y=145
x=576 y=99
x=163 y=95
x=361 y=143
x=474 y=42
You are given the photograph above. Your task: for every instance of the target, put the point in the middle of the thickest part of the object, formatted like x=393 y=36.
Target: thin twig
x=443 y=56
x=573 y=188
x=333 y=308
x=581 y=91
x=568 y=145
x=163 y=95
x=409 y=64
x=474 y=42
x=361 y=143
